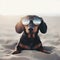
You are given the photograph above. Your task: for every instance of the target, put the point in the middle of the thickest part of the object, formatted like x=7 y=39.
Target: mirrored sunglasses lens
x=36 y=21
x=25 y=22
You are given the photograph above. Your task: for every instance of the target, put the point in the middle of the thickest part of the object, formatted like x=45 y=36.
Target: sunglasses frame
x=35 y=22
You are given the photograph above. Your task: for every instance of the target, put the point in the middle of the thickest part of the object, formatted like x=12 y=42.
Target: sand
x=9 y=39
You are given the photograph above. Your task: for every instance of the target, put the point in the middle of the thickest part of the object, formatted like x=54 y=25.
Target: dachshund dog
x=30 y=26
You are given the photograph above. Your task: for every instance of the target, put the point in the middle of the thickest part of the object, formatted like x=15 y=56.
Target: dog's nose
x=30 y=29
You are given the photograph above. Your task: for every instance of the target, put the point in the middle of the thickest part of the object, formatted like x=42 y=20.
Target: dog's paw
x=45 y=51
x=16 y=52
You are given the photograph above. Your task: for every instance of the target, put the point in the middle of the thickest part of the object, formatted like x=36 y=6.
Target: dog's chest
x=31 y=42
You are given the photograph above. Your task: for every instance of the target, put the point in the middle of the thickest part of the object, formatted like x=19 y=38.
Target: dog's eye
x=36 y=21
x=25 y=22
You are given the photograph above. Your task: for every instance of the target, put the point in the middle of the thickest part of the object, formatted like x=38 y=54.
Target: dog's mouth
x=31 y=35
x=31 y=30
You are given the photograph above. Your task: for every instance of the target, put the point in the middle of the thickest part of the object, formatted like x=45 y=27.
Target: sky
x=29 y=7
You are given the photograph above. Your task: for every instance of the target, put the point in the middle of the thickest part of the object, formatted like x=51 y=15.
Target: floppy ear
x=43 y=26
x=19 y=27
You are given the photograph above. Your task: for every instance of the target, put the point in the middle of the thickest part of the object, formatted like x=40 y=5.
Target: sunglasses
x=36 y=21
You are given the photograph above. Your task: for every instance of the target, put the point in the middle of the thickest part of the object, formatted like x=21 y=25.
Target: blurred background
x=27 y=7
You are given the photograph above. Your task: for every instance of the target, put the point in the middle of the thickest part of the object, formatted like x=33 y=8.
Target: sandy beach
x=9 y=39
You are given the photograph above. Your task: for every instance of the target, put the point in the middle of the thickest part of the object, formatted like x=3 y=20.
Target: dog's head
x=31 y=24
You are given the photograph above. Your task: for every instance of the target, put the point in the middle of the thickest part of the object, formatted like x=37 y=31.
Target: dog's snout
x=30 y=29
x=31 y=26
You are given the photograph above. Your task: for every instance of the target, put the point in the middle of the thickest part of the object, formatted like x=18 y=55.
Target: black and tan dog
x=30 y=26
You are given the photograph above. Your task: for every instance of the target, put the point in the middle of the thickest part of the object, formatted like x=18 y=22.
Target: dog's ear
x=19 y=27
x=43 y=26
